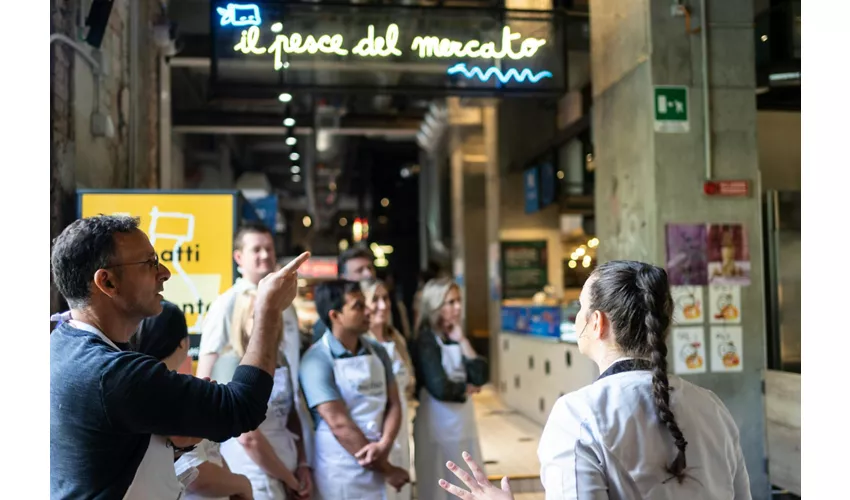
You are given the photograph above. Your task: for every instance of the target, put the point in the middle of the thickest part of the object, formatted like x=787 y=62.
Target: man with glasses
x=106 y=402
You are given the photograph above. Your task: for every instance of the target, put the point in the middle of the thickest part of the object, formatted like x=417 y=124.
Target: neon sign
x=510 y=46
x=431 y=46
x=519 y=76
x=426 y=47
x=240 y=15
x=374 y=47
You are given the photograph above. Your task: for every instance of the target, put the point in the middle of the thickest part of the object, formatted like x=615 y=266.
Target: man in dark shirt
x=105 y=403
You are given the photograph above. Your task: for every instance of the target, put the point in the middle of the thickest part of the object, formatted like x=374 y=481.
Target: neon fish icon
x=240 y=15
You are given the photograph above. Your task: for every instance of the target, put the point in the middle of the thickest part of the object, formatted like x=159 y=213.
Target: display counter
x=539 y=360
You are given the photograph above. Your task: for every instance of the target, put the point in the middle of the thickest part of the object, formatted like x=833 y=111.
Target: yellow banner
x=191 y=232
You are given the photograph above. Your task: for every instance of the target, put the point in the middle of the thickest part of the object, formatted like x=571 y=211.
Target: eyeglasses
x=152 y=263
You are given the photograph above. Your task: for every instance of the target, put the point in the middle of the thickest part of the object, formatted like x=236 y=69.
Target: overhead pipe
x=706 y=97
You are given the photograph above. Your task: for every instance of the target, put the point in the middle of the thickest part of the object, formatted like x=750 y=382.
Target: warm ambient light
x=343 y=221
x=593 y=243
x=307 y=221
x=572 y=264
x=560 y=174
x=385 y=202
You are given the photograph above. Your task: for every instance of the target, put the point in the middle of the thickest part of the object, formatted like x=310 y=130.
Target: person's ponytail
x=657 y=302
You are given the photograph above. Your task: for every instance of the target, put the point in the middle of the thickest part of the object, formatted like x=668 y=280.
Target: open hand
x=277 y=290
x=480 y=488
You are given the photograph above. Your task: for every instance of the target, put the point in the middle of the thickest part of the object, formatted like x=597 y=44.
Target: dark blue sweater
x=105 y=404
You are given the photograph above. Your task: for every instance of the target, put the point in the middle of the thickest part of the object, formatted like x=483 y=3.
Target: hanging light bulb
x=290 y=141
x=294 y=156
x=285 y=97
x=295 y=169
x=289 y=122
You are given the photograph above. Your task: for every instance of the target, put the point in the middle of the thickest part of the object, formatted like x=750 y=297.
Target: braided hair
x=636 y=299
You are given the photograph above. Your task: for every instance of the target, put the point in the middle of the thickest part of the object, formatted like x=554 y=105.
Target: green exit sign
x=671 y=109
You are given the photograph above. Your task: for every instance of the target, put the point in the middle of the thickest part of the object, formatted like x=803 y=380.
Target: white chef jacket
x=605 y=441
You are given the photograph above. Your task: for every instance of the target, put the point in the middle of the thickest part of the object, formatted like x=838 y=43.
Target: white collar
x=79 y=325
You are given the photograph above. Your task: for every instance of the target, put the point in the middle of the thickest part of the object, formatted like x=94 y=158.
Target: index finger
x=294 y=264
x=475 y=468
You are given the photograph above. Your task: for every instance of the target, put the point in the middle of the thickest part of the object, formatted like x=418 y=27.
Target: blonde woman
x=448 y=371
x=382 y=330
x=268 y=456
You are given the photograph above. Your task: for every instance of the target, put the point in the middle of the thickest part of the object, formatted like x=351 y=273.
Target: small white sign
x=689 y=350
x=727 y=350
x=687 y=305
x=724 y=304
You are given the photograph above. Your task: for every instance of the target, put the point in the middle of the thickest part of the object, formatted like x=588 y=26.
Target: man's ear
x=237 y=257
x=334 y=315
x=106 y=282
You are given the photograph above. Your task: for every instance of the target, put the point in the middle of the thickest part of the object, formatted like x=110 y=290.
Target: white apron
x=274 y=429
x=206 y=451
x=155 y=478
x=443 y=430
x=361 y=381
x=400 y=454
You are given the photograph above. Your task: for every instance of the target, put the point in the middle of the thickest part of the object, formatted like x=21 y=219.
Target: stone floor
x=509 y=445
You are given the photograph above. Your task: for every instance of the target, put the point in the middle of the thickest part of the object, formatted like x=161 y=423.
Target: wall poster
x=688 y=307
x=727 y=349
x=689 y=350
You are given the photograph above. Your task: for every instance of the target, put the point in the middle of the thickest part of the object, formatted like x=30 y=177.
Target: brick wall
x=78 y=159
x=61 y=127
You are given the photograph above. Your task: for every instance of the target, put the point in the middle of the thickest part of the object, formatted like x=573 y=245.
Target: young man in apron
x=349 y=386
x=254 y=253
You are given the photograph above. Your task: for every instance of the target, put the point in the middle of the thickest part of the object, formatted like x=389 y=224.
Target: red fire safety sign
x=727 y=188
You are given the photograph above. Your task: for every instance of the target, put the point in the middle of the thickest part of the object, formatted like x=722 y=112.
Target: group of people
x=261 y=420
x=333 y=423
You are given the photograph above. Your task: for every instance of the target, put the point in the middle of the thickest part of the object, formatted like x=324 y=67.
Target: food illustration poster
x=688 y=306
x=724 y=304
x=728 y=255
x=687 y=260
x=727 y=349
x=689 y=350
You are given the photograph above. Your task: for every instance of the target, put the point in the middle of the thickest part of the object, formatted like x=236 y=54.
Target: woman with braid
x=636 y=433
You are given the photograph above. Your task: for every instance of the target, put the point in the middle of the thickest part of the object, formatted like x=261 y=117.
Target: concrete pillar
x=646 y=179
x=492 y=201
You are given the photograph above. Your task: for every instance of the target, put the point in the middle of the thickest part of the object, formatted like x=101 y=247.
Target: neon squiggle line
x=519 y=76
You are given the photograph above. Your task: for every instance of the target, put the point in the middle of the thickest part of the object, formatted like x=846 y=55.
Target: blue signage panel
x=265 y=209
x=547 y=184
x=532 y=191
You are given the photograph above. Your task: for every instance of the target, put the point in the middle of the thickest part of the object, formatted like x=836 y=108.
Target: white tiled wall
x=534 y=372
